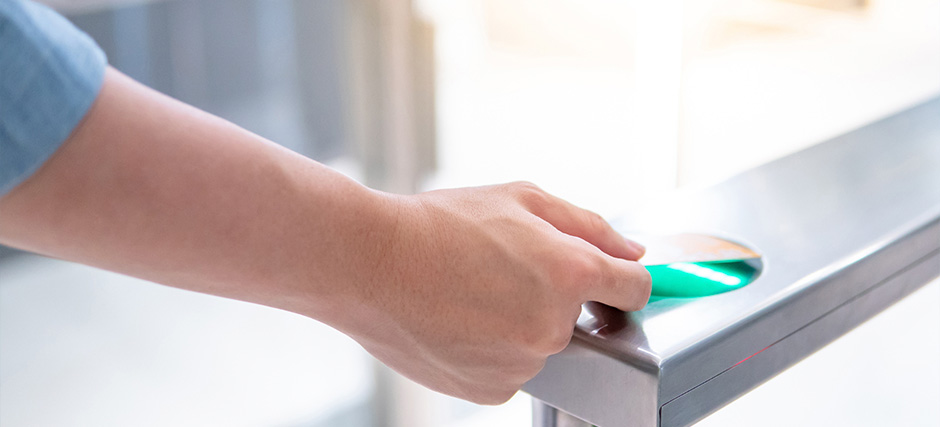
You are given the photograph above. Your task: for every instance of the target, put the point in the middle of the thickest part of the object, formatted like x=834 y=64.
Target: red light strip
x=755 y=354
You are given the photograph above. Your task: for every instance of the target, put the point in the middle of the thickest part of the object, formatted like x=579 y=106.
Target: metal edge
x=686 y=364
x=700 y=401
x=606 y=390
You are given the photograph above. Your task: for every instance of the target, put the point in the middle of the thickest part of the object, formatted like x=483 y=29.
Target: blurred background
x=608 y=103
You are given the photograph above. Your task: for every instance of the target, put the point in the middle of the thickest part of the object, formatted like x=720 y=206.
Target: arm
x=465 y=291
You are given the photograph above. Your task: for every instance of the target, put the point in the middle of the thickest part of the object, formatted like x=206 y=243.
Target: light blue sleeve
x=50 y=73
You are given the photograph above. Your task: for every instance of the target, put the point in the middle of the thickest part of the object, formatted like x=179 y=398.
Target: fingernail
x=636 y=246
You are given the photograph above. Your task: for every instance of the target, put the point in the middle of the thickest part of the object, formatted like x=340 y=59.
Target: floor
x=81 y=346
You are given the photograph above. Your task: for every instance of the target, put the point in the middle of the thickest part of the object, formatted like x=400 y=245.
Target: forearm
x=466 y=290
x=177 y=196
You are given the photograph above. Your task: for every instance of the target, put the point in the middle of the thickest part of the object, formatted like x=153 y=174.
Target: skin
x=466 y=291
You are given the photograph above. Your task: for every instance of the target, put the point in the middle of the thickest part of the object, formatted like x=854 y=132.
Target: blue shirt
x=50 y=73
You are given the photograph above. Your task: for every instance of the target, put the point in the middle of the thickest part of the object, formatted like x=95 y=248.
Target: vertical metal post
x=544 y=415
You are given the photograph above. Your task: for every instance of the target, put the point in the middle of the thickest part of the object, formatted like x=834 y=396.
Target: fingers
x=581 y=223
x=616 y=282
x=622 y=284
x=609 y=275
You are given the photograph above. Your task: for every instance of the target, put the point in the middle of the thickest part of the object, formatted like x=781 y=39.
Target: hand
x=480 y=285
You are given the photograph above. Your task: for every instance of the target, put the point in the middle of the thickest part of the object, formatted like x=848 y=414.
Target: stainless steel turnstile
x=846 y=227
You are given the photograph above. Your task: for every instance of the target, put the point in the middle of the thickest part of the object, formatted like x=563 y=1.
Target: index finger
x=584 y=224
